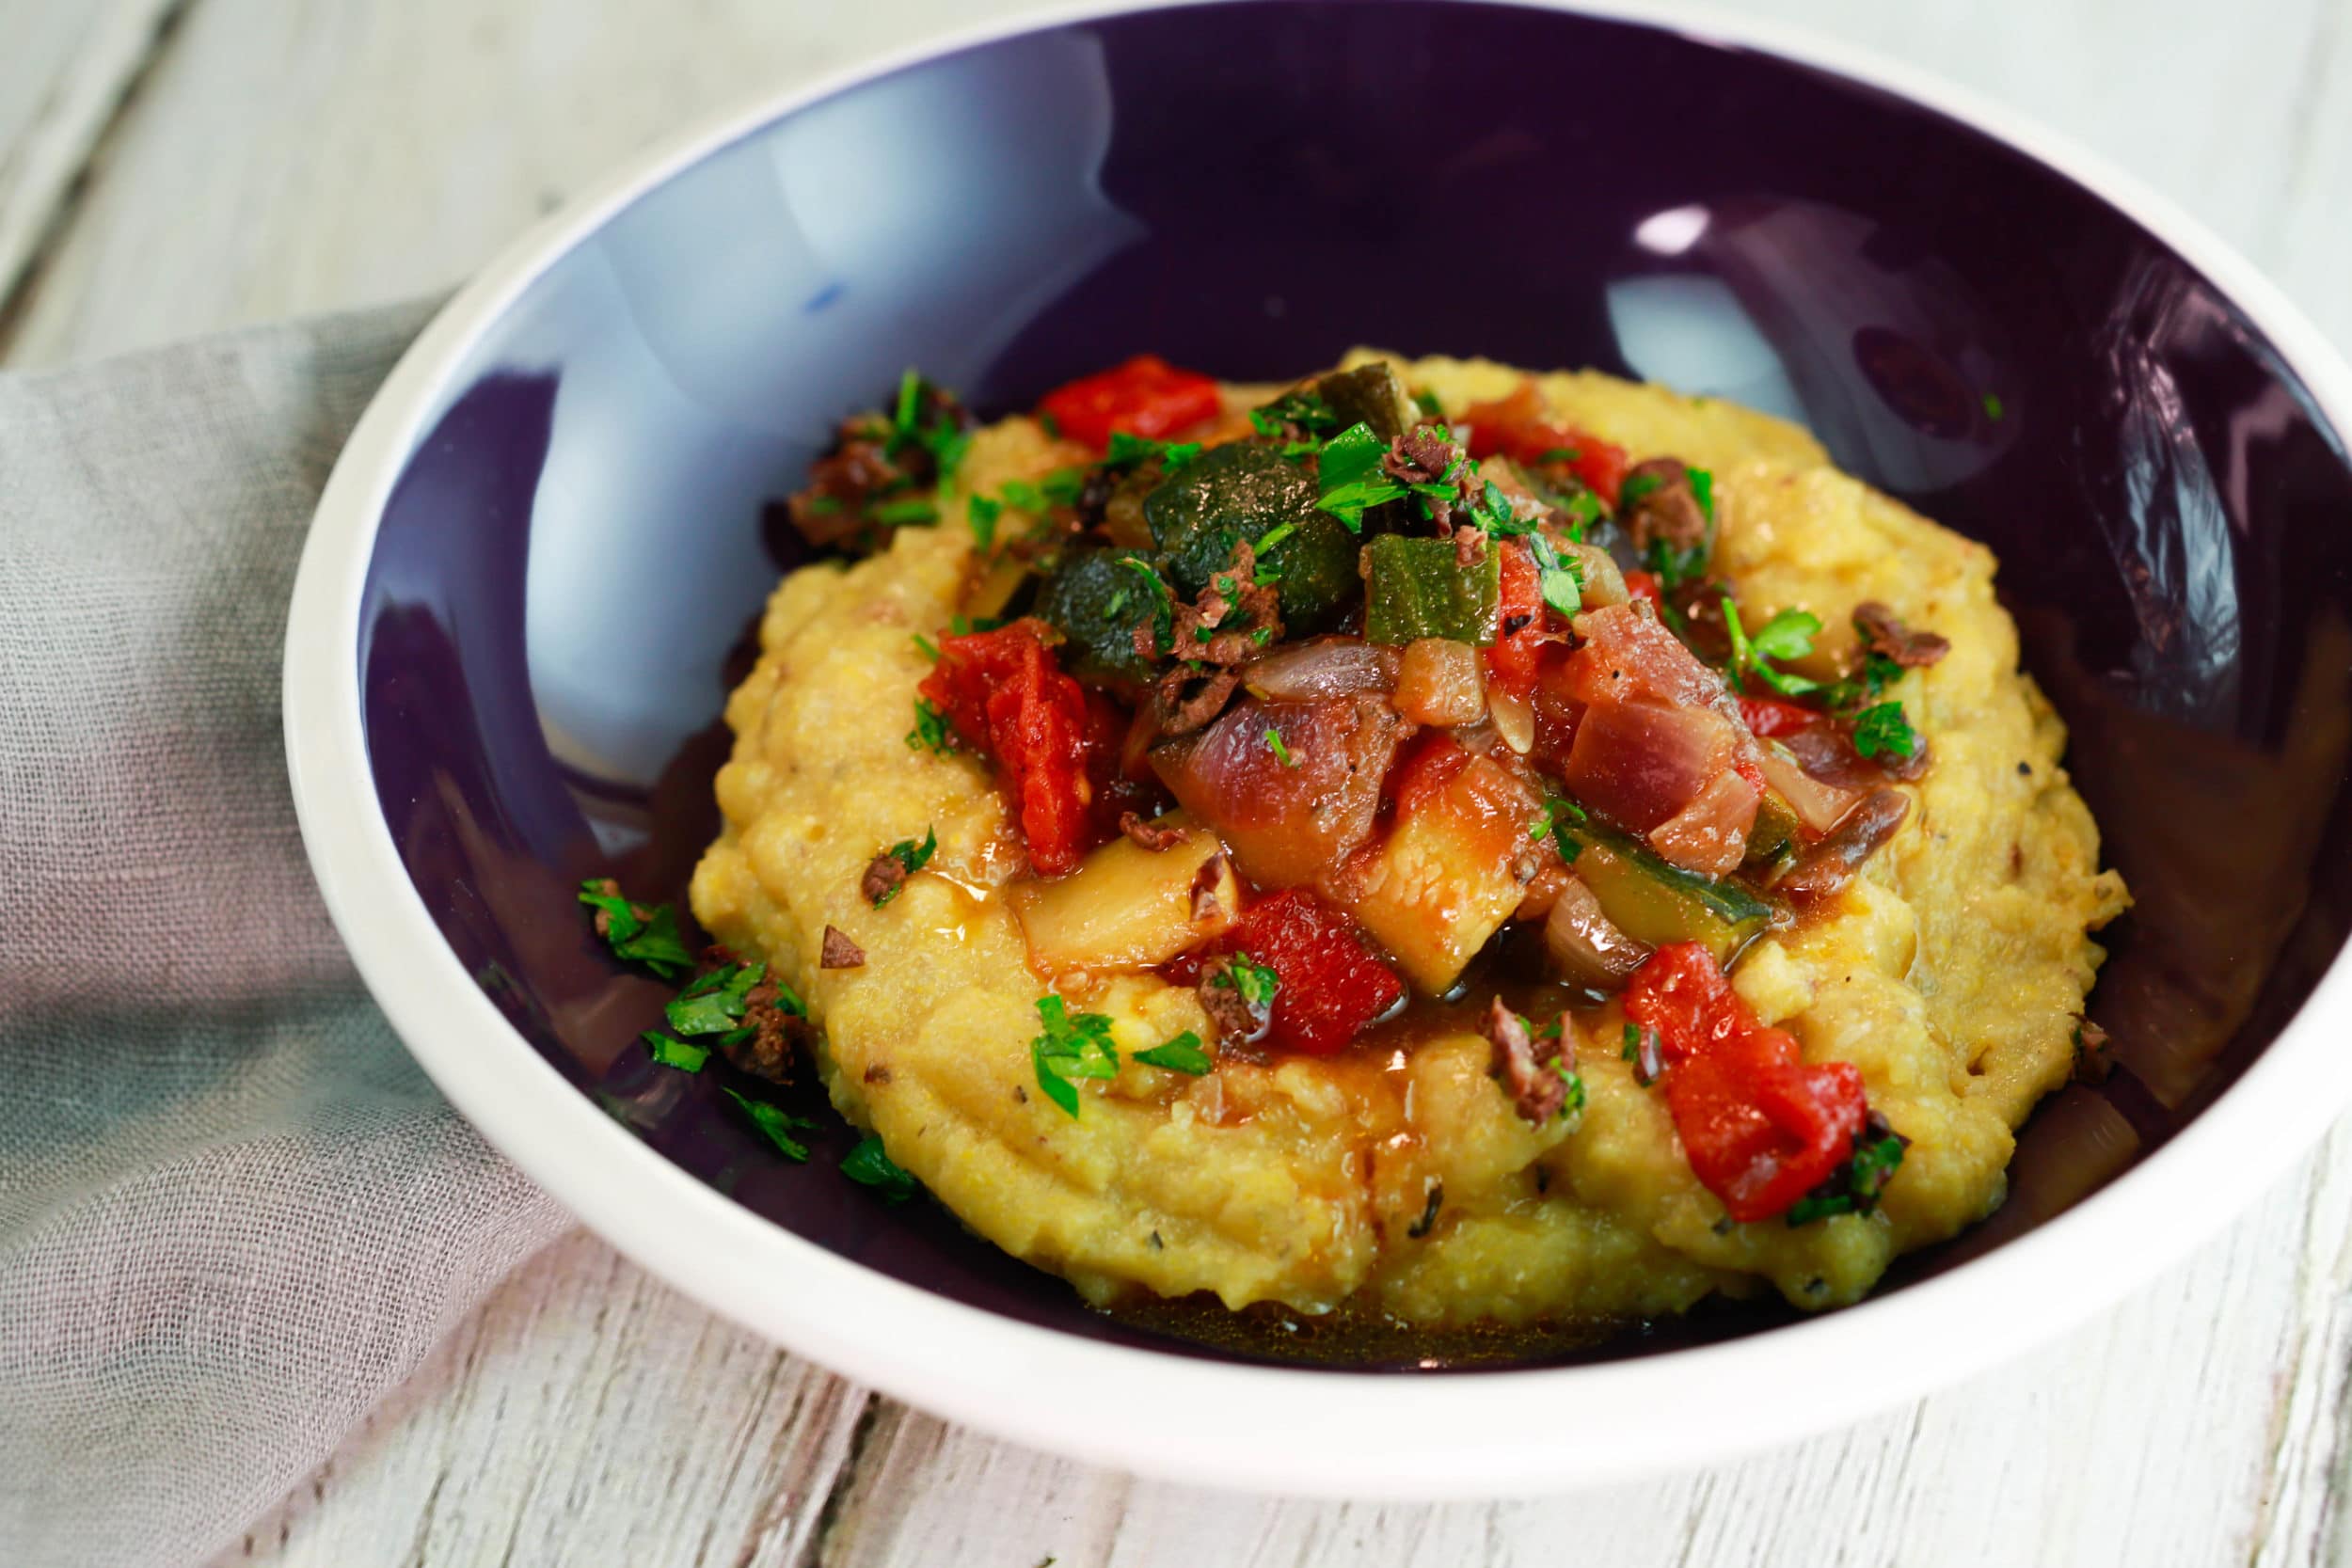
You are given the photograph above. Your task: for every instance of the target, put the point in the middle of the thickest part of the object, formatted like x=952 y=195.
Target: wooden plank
x=587 y=1414
x=304 y=155
x=62 y=76
x=2087 y=1461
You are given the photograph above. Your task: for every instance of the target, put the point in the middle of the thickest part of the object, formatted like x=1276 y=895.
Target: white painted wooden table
x=170 y=167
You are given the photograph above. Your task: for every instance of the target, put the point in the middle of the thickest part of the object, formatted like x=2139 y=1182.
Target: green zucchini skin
x=1372 y=395
x=1417 y=587
x=1096 y=604
x=1245 y=490
x=1657 y=903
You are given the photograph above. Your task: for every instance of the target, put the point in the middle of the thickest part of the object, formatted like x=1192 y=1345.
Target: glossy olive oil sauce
x=1950 y=972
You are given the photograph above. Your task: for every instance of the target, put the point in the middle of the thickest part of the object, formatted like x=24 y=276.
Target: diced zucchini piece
x=1127 y=907
x=1443 y=884
x=1418 y=588
x=1657 y=903
x=1774 y=835
x=1370 y=394
x=1243 y=490
x=1096 y=604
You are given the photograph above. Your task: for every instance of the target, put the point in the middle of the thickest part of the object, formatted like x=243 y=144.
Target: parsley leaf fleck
x=870 y=1166
x=1181 y=1054
x=1256 y=982
x=715 y=1002
x=685 y=1056
x=1883 y=729
x=777 y=1122
x=1071 y=1048
x=1281 y=752
x=1126 y=451
x=930 y=732
x=981 y=511
x=1787 y=635
x=911 y=855
x=1353 y=481
x=650 y=939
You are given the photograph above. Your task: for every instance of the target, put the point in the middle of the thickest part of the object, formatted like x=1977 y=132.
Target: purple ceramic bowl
x=525 y=580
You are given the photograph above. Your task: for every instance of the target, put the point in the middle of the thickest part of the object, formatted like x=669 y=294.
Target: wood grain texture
x=291 y=156
x=63 y=72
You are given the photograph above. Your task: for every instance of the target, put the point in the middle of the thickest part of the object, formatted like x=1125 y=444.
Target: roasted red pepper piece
x=1519 y=429
x=1145 y=396
x=1759 y=1127
x=1511 y=659
x=1054 y=748
x=1770 y=715
x=1332 y=986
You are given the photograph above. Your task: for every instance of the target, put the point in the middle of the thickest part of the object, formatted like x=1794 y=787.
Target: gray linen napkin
x=232 y=1211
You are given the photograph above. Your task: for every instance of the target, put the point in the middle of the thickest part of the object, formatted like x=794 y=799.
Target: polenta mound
x=1498 y=1142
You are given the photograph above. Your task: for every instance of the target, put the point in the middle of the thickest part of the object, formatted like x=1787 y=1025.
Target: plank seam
x=21 y=275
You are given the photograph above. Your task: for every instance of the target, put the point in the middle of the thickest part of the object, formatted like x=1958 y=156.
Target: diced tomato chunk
x=1759 y=1126
x=1055 y=747
x=1145 y=396
x=1770 y=716
x=1644 y=585
x=1511 y=659
x=1520 y=429
x=1333 y=985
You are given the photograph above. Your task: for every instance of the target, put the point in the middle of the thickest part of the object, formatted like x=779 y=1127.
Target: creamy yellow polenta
x=1950 y=973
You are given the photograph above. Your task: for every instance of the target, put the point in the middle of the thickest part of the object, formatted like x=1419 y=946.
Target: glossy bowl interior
x=514 y=634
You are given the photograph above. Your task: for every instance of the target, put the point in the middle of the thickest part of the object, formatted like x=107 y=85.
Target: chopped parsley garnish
x=941 y=437
x=964 y=625
x=1163 y=601
x=1993 y=409
x=928 y=648
x=1573 y=1102
x=1071 y=1048
x=1883 y=730
x=685 y=1056
x=1557 y=454
x=1635 y=487
x=1305 y=411
x=1674 y=567
x=777 y=1122
x=1181 y=1054
x=1127 y=451
x=900 y=513
x=715 y=1002
x=1854 y=1187
x=930 y=732
x=1353 y=481
x=1426 y=401
x=1281 y=752
x=912 y=856
x=1561 y=578
x=1256 y=982
x=1555 y=808
x=1788 y=635
x=1702 y=491
x=868 y=1165
x=981 y=511
x=650 y=939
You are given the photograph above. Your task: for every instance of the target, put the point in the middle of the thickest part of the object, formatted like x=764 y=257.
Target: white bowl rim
x=1255 y=1428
